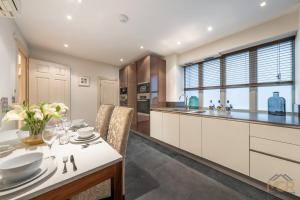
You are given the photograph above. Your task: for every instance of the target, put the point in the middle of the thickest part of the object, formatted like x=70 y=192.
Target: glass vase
x=30 y=139
x=276 y=105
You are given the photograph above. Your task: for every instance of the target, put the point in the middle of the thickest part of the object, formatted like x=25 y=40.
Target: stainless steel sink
x=197 y=111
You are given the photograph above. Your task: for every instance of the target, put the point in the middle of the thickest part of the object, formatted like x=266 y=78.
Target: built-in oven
x=123 y=96
x=143 y=103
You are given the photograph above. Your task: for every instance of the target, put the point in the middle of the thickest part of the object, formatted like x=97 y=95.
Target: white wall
x=297 y=68
x=10 y=40
x=174 y=78
x=274 y=29
x=83 y=99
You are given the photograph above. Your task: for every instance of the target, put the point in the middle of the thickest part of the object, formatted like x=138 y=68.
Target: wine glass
x=64 y=137
x=49 y=135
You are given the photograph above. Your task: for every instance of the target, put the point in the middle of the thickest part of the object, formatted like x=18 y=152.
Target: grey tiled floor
x=154 y=172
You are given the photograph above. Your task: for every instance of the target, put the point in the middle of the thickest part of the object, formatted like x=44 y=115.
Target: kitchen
x=150 y=99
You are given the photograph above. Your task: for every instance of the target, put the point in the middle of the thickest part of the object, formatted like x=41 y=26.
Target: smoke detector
x=123 y=18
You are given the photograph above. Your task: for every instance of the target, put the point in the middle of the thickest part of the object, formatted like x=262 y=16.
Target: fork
x=65 y=160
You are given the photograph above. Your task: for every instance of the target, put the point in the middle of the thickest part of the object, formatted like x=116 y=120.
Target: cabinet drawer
x=274 y=171
x=288 y=135
x=284 y=150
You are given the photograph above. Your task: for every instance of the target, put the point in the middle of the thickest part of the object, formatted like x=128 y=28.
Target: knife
x=73 y=162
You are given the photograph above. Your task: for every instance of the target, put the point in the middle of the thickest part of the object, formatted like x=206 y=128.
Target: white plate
x=6 y=151
x=82 y=139
x=6 y=186
x=75 y=139
x=51 y=166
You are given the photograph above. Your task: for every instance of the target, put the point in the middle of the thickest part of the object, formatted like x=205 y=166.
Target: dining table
x=95 y=164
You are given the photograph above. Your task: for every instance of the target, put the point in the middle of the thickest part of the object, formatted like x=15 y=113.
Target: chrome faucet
x=186 y=101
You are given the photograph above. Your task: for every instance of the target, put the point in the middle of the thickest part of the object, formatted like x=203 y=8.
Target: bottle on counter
x=211 y=105
x=228 y=106
x=220 y=107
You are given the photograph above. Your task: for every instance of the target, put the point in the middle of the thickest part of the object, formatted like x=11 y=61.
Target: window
x=237 y=69
x=191 y=76
x=262 y=69
x=211 y=73
x=238 y=97
x=264 y=93
x=275 y=63
x=213 y=95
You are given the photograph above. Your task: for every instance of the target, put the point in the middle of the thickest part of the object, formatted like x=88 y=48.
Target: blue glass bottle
x=276 y=105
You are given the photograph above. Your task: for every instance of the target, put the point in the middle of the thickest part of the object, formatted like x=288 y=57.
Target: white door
x=49 y=82
x=108 y=92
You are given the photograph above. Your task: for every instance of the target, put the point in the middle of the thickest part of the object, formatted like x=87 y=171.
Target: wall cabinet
x=170 y=129
x=226 y=143
x=156 y=125
x=191 y=134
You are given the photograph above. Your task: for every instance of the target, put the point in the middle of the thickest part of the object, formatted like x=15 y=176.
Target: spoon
x=88 y=144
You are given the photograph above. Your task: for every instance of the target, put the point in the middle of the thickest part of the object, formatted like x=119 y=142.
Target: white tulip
x=38 y=115
x=13 y=115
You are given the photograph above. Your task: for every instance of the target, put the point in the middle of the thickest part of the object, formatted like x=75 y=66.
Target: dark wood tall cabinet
x=151 y=69
x=127 y=79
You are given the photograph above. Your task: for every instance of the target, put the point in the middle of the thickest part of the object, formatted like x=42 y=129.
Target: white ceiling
x=95 y=32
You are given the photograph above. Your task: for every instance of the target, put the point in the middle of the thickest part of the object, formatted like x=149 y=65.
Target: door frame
x=99 y=79
x=20 y=51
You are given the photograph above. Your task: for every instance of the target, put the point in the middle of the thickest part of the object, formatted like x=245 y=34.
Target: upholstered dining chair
x=117 y=137
x=103 y=119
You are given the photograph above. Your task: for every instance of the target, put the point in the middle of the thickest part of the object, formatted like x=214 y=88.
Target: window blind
x=275 y=62
x=191 y=76
x=211 y=73
x=237 y=68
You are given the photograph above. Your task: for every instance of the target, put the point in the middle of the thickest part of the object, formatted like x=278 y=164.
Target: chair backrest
x=119 y=127
x=103 y=119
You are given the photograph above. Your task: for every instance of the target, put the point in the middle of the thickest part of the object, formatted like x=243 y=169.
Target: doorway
x=22 y=94
x=108 y=92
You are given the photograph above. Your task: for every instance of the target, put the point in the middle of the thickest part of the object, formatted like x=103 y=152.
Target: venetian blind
x=191 y=76
x=211 y=73
x=275 y=62
x=237 y=69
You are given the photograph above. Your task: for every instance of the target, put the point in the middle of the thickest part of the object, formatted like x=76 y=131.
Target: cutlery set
x=72 y=160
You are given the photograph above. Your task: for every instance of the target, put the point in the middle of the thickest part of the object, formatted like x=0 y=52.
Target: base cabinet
x=275 y=172
x=226 y=143
x=170 y=129
x=191 y=134
x=156 y=125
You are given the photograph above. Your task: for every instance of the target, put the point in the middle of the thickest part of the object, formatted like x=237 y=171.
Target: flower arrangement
x=35 y=116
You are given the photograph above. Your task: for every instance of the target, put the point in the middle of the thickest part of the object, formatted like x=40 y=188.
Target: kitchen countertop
x=289 y=120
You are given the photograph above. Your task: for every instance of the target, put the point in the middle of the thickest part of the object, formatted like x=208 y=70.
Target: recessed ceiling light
x=141 y=47
x=210 y=28
x=66 y=45
x=263 y=4
x=121 y=59
x=69 y=17
x=178 y=43
x=79 y=1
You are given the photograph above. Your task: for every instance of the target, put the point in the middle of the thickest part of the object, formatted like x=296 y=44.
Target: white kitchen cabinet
x=274 y=171
x=156 y=125
x=191 y=134
x=226 y=143
x=170 y=129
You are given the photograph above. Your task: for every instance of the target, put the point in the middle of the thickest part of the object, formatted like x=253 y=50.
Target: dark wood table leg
x=117 y=182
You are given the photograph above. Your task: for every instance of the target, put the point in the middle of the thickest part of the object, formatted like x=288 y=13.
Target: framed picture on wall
x=84 y=81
